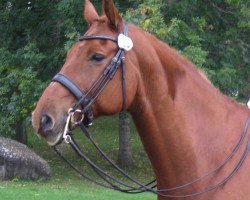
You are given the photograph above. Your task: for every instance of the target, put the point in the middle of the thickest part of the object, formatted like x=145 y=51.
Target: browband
x=94 y=37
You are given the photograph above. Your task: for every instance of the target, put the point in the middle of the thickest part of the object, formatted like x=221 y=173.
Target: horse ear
x=112 y=14
x=90 y=13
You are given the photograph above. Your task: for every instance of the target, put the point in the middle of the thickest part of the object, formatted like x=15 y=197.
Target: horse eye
x=97 y=57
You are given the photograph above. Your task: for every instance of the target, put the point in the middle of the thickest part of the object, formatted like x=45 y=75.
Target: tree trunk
x=21 y=132
x=125 y=149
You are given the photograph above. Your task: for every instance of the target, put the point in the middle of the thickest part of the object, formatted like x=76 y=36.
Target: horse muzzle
x=48 y=128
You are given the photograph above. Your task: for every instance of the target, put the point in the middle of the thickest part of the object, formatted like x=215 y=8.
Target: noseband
x=86 y=100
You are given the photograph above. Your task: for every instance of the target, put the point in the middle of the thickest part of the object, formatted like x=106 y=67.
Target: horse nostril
x=46 y=123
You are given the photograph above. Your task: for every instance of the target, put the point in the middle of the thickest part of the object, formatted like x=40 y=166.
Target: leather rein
x=85 y=101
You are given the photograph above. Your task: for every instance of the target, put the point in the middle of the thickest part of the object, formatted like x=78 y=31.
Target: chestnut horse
x=187 y=126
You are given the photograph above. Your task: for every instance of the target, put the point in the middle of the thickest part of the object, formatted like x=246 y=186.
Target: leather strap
x=78 y=93
x=70 y=85
x=94 y=37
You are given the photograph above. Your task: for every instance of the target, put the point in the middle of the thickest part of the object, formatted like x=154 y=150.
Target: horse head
x=85 y=62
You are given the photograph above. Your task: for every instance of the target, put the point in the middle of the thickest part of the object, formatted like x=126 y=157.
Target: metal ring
x=70 y=111
x=72 y=120
x=67 y=139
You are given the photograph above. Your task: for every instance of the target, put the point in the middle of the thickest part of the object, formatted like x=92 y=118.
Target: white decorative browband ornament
x=125 y=42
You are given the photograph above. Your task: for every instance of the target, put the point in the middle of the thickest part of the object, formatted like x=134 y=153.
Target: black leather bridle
x=87 y=99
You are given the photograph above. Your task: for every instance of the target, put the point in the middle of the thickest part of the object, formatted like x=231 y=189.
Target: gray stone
x=18 y=161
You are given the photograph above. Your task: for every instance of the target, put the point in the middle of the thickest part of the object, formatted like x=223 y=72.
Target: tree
x=22 y=61
x=125 y=147
x=225 y=36
x=34 y=39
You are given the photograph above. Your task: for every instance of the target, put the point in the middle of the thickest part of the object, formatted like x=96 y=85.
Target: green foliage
x=34 y=39
x=19 y=87
x=226 y=78
x=225 y=37
x=150 y=16
x=71 y=20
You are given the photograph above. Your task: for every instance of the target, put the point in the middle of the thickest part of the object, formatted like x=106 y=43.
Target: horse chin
x=55 y=140
x=55 y=136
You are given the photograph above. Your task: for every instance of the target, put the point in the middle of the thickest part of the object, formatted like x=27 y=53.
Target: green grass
x=67 y=184
x=46 y=191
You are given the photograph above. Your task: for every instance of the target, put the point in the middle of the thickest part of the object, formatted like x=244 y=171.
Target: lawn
x=67 y=184
x=20 y=190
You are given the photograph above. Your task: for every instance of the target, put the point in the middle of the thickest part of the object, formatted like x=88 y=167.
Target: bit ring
x=74 y=119
x=67 y=139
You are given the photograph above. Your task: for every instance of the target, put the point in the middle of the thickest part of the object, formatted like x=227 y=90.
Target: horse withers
x=187 y=126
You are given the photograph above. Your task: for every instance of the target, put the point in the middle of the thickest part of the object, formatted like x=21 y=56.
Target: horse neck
x=183 y=121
